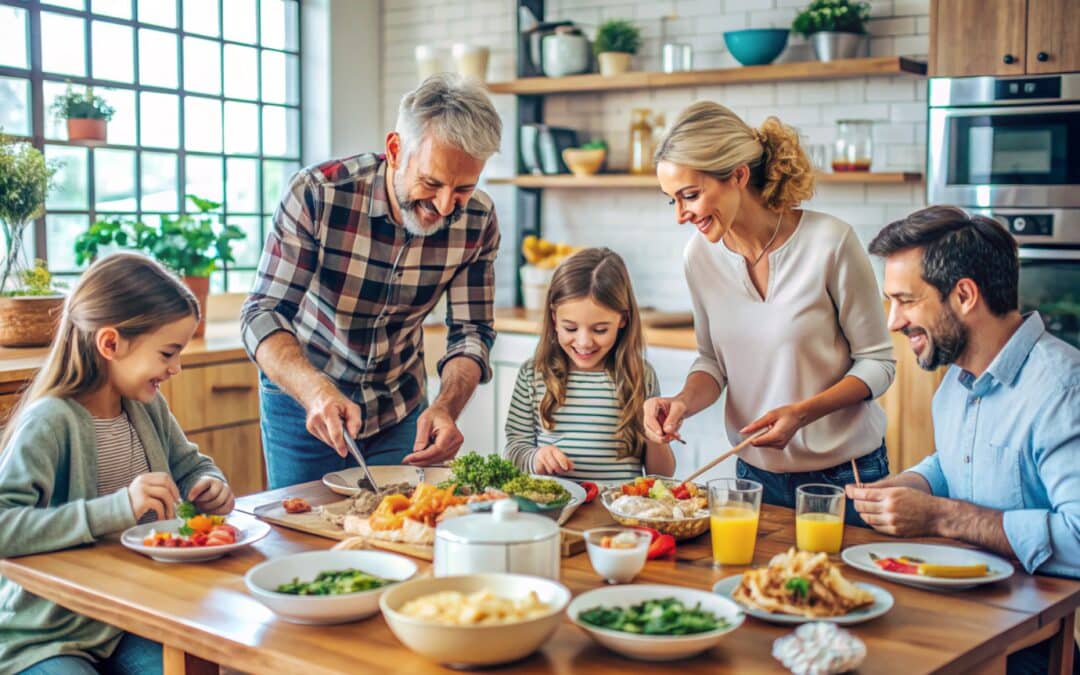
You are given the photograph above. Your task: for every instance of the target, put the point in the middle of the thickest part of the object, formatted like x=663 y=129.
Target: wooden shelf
x=623 y=180
x=801 y=70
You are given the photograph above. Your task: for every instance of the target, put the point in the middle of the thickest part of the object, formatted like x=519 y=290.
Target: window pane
x=240 y=20
x=279 y=24
x=157 y=58
x=276 y=175
x=159 y=181
x=202 y=124
x=15 y=106
x=63 y=44
x=61 y=229
x=54 y=128
x=122 y=127
x=118 y=8
x=70 y=4
x=204 y=178
x=279 y=78
x=246 y=250
x=241 y=282
x=241 y=128
x=159 y=120
x=202 y=65
x=158 y=12
x=201 y=16
x=281 y=131
x=14 y=38
x=114 y=49
x=114 y=180
x=69 y=184
x=242 y=194
x=241 y=72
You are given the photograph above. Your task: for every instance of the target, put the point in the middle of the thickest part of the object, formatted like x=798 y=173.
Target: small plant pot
x=200 y=287
x=29 y=320
x=832 y=46
x=584 y=162
x=613 y=63
x=91 y=132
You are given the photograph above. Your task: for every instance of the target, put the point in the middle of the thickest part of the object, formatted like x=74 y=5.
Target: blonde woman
x=787 y=311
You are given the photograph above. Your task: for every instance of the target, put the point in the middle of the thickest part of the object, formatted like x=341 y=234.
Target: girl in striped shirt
x=576 y=408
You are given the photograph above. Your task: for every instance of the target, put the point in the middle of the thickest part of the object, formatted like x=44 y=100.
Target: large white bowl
x=475 y=645
x=655 y=647
x=264 y=578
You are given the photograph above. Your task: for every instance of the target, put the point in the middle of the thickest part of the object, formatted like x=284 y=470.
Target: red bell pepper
x=898 y=566
x=680 y=491
x=591 y=490
x=661 y=545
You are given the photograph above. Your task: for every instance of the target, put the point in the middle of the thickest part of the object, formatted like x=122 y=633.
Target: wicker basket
x=680 y=528
x=29 y=321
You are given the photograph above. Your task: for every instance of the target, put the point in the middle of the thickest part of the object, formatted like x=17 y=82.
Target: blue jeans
x=779 y=488
x=134 y=655
x=295 y=456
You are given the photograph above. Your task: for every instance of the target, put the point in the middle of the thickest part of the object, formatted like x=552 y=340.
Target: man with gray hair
x=361 y=250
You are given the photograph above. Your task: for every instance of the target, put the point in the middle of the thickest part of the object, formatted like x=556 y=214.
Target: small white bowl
x=475 y=645
x=617 y=565
x=264 y=578
x=655 y=647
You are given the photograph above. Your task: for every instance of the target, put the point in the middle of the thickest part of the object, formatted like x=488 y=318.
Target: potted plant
x=190 y=244
x=616 y=41
x=29 y=305
x=86 y=113
x=836 y=28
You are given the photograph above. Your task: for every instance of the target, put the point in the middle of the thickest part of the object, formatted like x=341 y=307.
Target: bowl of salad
x=655 y=622
x=666 y=505
x=325 y=587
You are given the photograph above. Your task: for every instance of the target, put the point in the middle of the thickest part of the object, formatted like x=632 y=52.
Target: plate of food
x=655 y=622
x=390 y=479
x=194 y=536
x=797 y=587
x=930 y=566
x=667 y=505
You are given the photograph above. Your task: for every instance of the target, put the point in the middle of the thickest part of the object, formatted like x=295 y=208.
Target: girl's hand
x=550 y=460
x=783 y=422
x=155 y=492
x=663 y=417
x=212 y=496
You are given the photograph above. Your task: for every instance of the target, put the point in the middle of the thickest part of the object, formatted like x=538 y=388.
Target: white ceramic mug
x=471 y=60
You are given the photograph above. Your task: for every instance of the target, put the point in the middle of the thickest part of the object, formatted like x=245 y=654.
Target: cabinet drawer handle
x=221 y=388
x=1009 y=59
x=1042 y=56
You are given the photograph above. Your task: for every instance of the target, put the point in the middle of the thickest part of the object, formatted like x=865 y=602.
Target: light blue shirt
x=1010 y=440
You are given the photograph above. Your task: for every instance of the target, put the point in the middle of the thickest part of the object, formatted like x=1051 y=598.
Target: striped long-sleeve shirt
x=584 y=426
x=354 y=287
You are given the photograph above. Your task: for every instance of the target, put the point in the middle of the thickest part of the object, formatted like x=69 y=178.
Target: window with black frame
x=207 y=102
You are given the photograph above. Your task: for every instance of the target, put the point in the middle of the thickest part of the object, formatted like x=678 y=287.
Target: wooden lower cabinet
x=238 y=453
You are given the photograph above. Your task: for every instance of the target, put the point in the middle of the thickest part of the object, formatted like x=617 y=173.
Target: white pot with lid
x=501 y=541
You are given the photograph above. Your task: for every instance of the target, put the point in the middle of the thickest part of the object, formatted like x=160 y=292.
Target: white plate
x=251 y=531
x=883 y=602
x=859 y=557
x=655 y=647
x=345 y=482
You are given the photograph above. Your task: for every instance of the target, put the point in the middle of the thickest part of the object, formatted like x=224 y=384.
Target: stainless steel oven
x=1004 y=142
x=1049 y=242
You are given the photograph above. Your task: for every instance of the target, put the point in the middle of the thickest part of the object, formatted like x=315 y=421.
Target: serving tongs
x=350 y=442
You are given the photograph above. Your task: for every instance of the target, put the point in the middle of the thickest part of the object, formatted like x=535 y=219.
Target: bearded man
x=361 y=250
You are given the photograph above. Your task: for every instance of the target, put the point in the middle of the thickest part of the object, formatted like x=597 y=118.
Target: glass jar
x=854 y=145
x=641 y=141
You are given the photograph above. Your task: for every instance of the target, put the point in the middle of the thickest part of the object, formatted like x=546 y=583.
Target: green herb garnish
x=334 y=583
x=799 y=586
x=186 y=510
x=476 y=472
x=662 y=616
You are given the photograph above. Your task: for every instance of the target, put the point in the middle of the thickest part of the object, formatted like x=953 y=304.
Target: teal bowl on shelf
x=756 y=46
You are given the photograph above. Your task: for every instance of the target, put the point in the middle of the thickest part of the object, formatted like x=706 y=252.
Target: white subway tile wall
x=638 y=223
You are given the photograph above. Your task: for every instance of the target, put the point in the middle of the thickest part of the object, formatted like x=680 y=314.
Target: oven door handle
x=1006 y=110
x=1033 y=253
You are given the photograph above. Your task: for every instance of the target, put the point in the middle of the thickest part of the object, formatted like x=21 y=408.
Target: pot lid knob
x=503 y=509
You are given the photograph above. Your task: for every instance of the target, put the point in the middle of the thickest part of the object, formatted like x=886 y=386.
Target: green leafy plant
x=82 y=105
x=25 y=179
x=595 y=144
x=189 y=244
x=840 y=16
x=617 y=35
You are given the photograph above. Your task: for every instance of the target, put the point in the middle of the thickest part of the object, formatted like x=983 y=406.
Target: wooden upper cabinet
x=980 y=37
x=1052 y=47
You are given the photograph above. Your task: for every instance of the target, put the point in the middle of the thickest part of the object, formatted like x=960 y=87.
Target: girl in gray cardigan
x=90 y=450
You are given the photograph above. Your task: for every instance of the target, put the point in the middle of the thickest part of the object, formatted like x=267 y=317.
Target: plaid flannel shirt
x=354 y=287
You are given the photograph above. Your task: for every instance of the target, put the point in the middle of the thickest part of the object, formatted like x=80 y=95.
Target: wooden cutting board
x=313 y=523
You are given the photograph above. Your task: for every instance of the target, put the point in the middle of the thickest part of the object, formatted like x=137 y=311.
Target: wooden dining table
x=204 y=616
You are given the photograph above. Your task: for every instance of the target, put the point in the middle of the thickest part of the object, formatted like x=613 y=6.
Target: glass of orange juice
x=819 y=517
x=734 y=505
